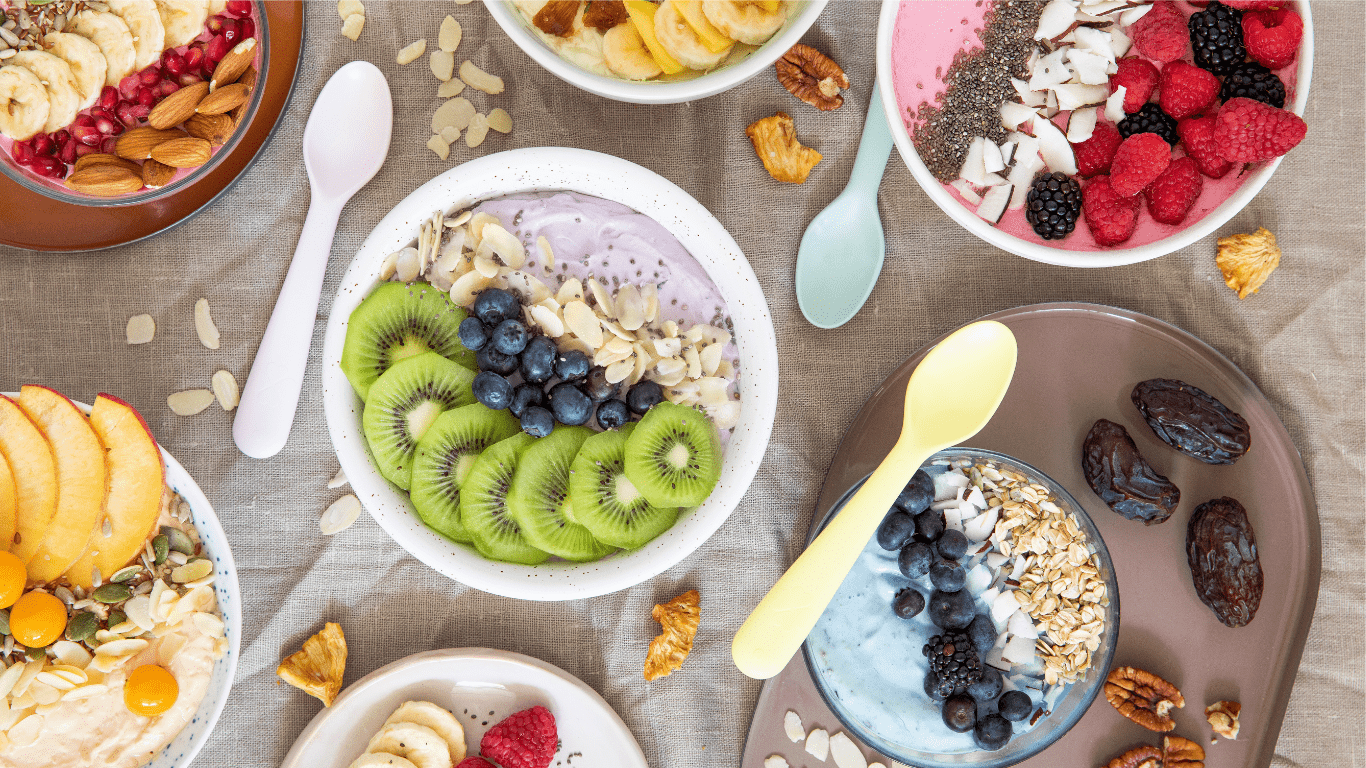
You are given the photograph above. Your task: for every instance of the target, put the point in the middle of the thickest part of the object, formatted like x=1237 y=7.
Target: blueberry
x=494 y=305
x=492 y=390
x=537 y=421
x=612 y=414
x=896 y=529
x=914 y=560
x=918 y=494
x=992 y=732
x=473 y=334
x=929 y=525
x=644 y=396
x=510 y=337
x=908 y=603
x=597 y=386
x=948 y=576
x=569 y=404
x=572 y=365
x=951 y=610
x=960 y=713
x=1014 y=705
x=525 y=396
x=932 y=687
x=490 y=359
x=989 y=687
x=952 y=544
x=538 y=359
x=982 y=632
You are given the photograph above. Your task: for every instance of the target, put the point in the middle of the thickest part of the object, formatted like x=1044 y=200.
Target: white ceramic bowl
x=519 y=28
x=611 y=178
x=1037 y=250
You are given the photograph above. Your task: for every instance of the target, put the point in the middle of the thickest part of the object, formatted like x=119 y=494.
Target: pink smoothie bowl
x=1220 y=201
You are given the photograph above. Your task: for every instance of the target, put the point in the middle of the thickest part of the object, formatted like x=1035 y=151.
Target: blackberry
x=1150 y=119
x=1254 y=81
x=1053 y=205
x=953 y=661
x=1217 y=38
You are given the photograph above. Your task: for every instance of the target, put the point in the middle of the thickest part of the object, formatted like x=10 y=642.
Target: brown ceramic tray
x=54 y=225
x=1078 y=363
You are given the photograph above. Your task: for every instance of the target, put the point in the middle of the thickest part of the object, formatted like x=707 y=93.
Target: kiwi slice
x=403 y=405
x=539 y=497
x=605 y=502
x=444 y=458
x=484 y=508
x=395 y=322
x=674 y=456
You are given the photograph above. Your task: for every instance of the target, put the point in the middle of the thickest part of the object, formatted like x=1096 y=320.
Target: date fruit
x=1122 y=478
x=1191 y=421
x=1222 y=553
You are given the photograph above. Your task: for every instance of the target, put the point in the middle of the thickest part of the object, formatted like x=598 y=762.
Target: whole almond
x=188 y=152
x=214 y=129
x=104 y=180
x=157 y=174
x=178 y=107
x=223 y=99
x=138 y=143
x=234 y=64
x=102 y=159
x=248 y=78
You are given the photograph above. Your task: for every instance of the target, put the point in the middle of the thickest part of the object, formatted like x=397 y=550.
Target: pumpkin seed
x=125 y=574
x=4 y=622
x=36 y=654
x=82 y=627
x=116 y=618
x=161 y=546
x=179 y=541
x=112 y=593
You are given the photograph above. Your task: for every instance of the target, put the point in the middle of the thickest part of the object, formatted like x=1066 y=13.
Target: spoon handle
x=271 y=395
x=873 y=149
x=780 y=623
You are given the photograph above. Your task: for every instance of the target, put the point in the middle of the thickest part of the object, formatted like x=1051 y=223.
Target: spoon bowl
x=347 y=135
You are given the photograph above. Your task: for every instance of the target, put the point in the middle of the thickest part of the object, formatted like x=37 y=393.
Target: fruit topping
x=491 y=390
x=1140 y=159
x=896 y=530
x=908 y=603
x=989 y=686
x=1216 y=37
x=1221 y=550
x=1111 y=217
x=1143 y=697
x=784 y=157
x=150 y=690
x=951 y=610
x=678 y=620
x=537 y=421
x=959 y=712
x=526 y=739
x=404 y=403
x=1095 y=155
x=443 y=460
x=1246 y=261
x=952 y=545
x=1053 y=205
x=918 y=494
x=1150 y=119
x=398 y=321
x=1192 y=421
x=538 y=498
x=1256 y=82
x=1014 y=705
x=915 y=559
x=1186 y=89
x=1272 y=36
x=1171 y=195
x=992 y=732
x=1161 y=33
x=1120 y=476
x=1138 y=77
x=613 y=414
x=606 y=501
x=1248 y=131
x=317 y=669
x=1197 y=137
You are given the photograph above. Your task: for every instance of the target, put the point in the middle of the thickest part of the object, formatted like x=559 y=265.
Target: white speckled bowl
x=610 y=178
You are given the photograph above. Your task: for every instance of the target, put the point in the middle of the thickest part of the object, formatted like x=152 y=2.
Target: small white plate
x=480 y=686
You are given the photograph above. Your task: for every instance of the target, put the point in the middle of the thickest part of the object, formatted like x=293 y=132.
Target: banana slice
x=23 y=103
x=86 y=62
x=684 y=44
x=745 y=21
x=382 y=760
x=144 y=22
x=63 y=95
x=183 y=19
x=436 y=718
x=625 y=54
x=217 y=6
x=421 y=745
x=111 y=34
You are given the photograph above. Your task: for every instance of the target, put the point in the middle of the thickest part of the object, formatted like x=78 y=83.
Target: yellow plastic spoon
x=952 y=394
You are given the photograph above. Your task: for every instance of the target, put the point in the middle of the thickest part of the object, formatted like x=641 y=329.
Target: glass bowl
x=860 y=671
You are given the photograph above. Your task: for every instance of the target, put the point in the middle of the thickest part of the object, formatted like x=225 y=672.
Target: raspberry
x=1161 y=33
x=1172 y=194
x=1197 y=136
x=1139 y=78
x=1140 y=159
x=1273 y=37
x=1254 y=5
x=1094 y=154
x=474 y=762
x=525 y=739
x=1112 y=218
x=1186 y=89
x=1248 y=131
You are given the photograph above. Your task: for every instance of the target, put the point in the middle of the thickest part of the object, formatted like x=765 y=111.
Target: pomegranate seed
x=107 y=146
x=147 y=98
x=68 y=153
x=216 y=49
x=108 y=126
x=42 y=145
x=82 y=150
x=194 y=59
x=23 y=153
x=190 y=78
x=172 y=63
x=60 y=138
x=238 y=8
x=231 y=31
x=109 y=98
x=128 y=87
x=150 y=76
x=49 y=167
x=215 y=24
x=207 y=69
x=165 y=88
x=246 y=29
x=100 y=112
x=125 y=113
x=90 y=136
x=85 y=120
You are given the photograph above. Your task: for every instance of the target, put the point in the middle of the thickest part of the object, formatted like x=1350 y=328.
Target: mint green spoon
x=841 y=253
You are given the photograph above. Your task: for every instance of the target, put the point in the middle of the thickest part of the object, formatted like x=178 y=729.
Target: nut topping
x=187 y=152
x=234 y=65
x=557 y=17
x=1223 y=718
x=1143 y=697
x=812 y=77
x=215 y=129
x=1179 y=752
x=104 y=181
x=156 y=174
x=178 y=107
x=1146 y=756
x=138 y=143
x=223 y=99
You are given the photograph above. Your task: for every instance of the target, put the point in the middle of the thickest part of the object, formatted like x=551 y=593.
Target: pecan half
x=812 y=77
x=1143 y=697
x=602 y=15
x=1146 y=756
x=1223 y=718
x=1179 y=752
x=557 y=17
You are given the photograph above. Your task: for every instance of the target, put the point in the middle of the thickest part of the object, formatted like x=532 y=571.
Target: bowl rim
x=600 y=175
x=648 y=92
x=978 y=226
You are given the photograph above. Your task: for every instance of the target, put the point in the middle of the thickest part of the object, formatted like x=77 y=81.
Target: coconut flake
x=1004 y=605
x=978 y=579
x=1057 y=16
x=1021 y=625
x=1091 y=67
x=1019 y=651
x=1057 y=153
x=965 y=190
x=973 y=166
x=1114 y=105
x=1081 y=124
x=1050 y=71
x=1127 y=18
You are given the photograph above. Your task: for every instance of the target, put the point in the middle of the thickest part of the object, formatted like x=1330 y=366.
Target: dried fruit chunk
x=1222 y=552
x=602 y=15
x=557 y=17
x=812 y=77
x=1146 y=756
x=1248 y=260
x=775 y=142
x=438 y=144
x=679 y=618
x=1191 y=421
x=1180 y=752
x=1143 y=697
x=347 y=8
x=317 y=669
x=1223 y=718
x=500 y=120
x=1122 y=478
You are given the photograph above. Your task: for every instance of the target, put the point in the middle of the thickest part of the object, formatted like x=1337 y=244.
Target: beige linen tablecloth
x=1301 y=339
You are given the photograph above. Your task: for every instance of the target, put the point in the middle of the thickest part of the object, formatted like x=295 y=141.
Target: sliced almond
x=338 y=480
x=440 y=146
x=187 y=152
x=104 y=181
x=500 y=120
x=204 y=325
x=605 y=356
x=650 y=292
x=449 y=134
x=347 y=8
x=450 y=88
x=442 y=64
x=340 y=514
x=486 y=266
x=456 y=113
x=189 y=402
x=448 y=39
x=667 y=347
x=467 y=287
x=581 y=321
x=549 y=322
x=156 y=174
x=178 y=107
x=233 y=65
x=570 y=290
x=694 y=362
x=409 y=53
x=141 y=329
x=547 y=255
x=620 y=371
x=409 y=265
x=103 y=159
x=477 y=130
x=478 y=79
x=352 y=27
x=604 y=300
x=390 y=266
x=504 y=244
x=225 y=389
x=223 y=99
x=630 y=307
x=215 y=129
x=711 y=359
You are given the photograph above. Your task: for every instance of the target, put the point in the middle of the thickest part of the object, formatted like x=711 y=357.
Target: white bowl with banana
x=655 y=52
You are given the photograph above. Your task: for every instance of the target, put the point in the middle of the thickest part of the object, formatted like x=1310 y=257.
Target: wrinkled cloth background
x=1301 y=339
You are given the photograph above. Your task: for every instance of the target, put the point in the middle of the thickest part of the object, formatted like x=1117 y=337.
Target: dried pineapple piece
x=679 y=617
x=317 y=669
x=1248 y=260
x=775 y=142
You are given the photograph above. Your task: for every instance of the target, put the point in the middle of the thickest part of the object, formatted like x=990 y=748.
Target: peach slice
x=35 y=480
x=136 y=479
x=8 y=499
x=81 y=480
